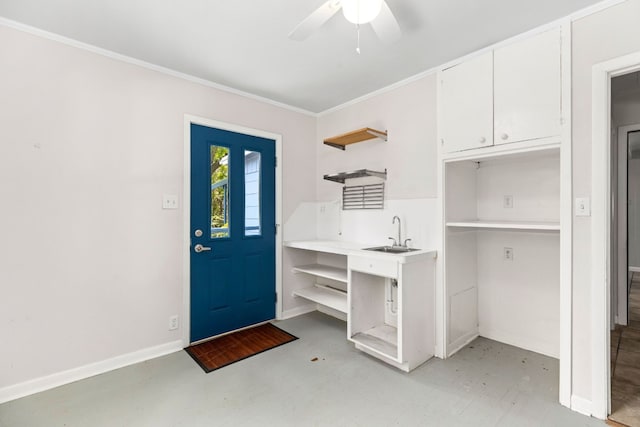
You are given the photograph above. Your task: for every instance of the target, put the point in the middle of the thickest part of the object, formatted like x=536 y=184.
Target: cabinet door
x=467 y=104
x=527 y=89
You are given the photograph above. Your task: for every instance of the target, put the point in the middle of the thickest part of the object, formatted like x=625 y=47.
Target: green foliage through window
x=219 y=191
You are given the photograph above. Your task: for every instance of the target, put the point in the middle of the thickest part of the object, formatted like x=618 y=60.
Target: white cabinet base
x=381 y=339
x=406 y=367
x=389 y=302
x=404 y=336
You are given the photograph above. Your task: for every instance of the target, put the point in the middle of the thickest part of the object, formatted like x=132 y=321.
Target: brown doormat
x=228 y=349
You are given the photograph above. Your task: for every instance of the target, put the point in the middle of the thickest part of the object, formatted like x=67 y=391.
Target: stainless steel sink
x=391 y=249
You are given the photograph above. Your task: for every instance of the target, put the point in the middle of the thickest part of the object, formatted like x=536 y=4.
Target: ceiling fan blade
x=386 y=26
x=314 y=21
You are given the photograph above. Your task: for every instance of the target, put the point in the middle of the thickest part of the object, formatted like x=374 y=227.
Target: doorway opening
x=624 y=406
x=608 y=234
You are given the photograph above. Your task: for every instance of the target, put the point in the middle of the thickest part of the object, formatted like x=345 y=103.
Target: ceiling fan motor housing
x=361 y=11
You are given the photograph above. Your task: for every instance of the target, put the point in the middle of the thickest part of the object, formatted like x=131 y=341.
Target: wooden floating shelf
x=364 y=134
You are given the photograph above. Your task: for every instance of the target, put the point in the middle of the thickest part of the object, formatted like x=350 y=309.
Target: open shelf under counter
x=382 y=339
x=325 y=295
x=507 y=225
x=325 y=271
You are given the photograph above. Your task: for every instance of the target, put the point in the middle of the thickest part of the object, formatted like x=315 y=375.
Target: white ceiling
x=243 y=44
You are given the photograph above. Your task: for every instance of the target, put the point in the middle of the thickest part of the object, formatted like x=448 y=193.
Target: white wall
x=599 y=37
x=625 y=100
x=633 y=218
x=90 y=265
x=408 y=114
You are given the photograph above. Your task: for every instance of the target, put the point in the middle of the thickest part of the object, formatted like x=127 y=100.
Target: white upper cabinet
x=527 y=89
x=511 y=94
x=467 y=104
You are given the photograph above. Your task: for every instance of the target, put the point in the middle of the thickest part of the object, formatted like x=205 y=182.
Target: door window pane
x=220 y=215
x=252 y=226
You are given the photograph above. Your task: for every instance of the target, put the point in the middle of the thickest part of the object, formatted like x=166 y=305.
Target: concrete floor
x=485 y=384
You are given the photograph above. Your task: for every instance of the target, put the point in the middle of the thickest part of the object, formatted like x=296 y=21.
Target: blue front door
x=232 y=231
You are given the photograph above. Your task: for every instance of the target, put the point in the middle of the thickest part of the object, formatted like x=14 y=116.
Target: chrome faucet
x=399 y=229
x=399 y=242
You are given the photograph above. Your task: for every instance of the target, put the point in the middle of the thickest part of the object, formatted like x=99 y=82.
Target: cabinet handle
x=504 y=136
x=483 y=140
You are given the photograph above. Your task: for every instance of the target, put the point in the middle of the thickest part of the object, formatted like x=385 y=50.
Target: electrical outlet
x=507 y=202
x=173 y=322
x=508 y=254
x=169 y=201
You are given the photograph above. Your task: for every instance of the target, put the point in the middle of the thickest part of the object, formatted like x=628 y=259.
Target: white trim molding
x=581 y=405
x=58 y=379
x=566 y=224
x=130 y=60
x=595 y=8
x=186 y=247
x=602 y=74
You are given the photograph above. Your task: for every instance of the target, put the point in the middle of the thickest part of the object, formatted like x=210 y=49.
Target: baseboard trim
x=581 y=405
x=544 y=348
x=58 y=379
x=634 y=269
x=331 y=312
x=298 y=311
x=458 y=344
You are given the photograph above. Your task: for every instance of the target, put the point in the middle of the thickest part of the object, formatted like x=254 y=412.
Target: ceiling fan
x=375 y=12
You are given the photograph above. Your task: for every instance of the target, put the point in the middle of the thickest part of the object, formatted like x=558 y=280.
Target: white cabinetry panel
x=511 y=94
x=378 y=267
x=527 y=89
x=467 y=104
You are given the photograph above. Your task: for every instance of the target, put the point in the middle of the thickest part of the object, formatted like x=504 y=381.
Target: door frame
x=601 y=140
x=186 y=204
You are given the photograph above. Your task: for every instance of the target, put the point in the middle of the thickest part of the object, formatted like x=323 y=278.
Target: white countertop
x=357 y=249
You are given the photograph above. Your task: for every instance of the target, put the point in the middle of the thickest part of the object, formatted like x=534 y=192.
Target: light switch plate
x=583 y=206
x=169 y=201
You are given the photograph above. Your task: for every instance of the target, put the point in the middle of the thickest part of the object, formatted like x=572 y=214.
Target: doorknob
x=199 y=248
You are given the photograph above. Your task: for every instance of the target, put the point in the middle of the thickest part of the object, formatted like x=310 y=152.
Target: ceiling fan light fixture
x=361 y=11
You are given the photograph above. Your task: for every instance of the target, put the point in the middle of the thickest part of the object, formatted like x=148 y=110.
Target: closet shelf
x=364 y=134
x=507 y=225
x=361 y=173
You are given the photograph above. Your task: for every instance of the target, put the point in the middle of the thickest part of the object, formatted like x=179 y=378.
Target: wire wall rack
x=370 y=196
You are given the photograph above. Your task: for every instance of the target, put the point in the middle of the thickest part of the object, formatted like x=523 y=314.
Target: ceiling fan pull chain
x=358 y=31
